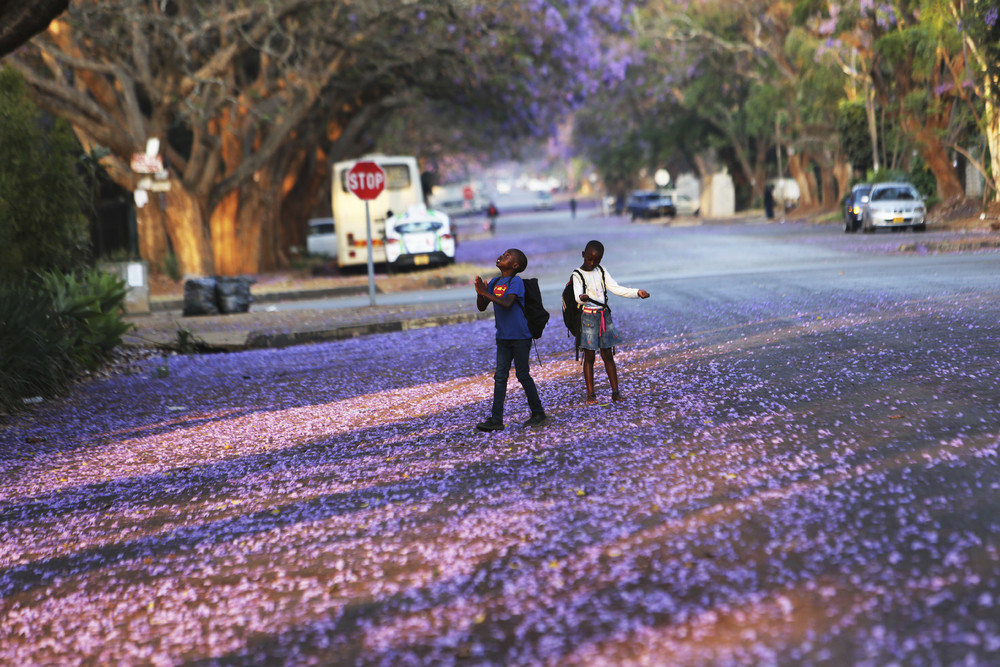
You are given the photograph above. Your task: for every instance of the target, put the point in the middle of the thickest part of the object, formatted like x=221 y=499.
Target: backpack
x=571 y=309
x=533 y=309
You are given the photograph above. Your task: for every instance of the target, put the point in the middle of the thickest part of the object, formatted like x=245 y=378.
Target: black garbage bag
x=199 y=296
x=233 y=294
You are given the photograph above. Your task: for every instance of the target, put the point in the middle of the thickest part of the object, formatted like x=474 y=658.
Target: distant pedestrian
x=592 y=284
x=572 y=207
x=491 y=214
x=769 y=201
x=506 y=293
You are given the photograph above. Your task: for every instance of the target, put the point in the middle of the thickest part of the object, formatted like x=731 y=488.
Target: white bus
x=402 y=189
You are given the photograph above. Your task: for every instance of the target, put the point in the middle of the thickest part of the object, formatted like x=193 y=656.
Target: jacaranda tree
x=254 y=99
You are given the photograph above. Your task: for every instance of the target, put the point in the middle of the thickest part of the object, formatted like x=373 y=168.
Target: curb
x=237 y=341
x=272 y=297
x=164 y=305
x=257 y=340
x=949 y=246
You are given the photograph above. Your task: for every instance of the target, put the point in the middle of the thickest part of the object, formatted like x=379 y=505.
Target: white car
x=543 y=201
x=685 y=205
x=893 y=206
x=322 y=237
x=419 y=237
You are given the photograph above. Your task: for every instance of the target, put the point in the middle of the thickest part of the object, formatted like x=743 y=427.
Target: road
x=713 y=256
x=804 y=471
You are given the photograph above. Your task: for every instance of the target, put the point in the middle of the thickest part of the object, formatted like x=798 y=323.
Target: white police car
x=419 y=237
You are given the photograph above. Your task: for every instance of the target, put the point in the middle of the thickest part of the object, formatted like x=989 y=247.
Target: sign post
x=367 y=180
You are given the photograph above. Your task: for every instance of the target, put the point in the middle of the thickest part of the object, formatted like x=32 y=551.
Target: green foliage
x=884 y=175
x=88 y=312
x=806 y=9
x=171 y=266
x=52 y=327
x=923 y=179
x=34 y=358
x=42 y=195
x=852 y=128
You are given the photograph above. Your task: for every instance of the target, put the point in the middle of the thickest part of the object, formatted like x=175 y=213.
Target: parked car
x=893 y=206
x=684 y=204
x=854 y=206
x=543 y=201
x=419 y=237
x=322 y=237
x=648 y=204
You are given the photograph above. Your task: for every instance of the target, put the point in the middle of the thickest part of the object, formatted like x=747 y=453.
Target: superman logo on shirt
x=499 y=289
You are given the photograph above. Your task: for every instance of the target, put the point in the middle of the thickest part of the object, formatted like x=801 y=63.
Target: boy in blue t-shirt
x=513 y=337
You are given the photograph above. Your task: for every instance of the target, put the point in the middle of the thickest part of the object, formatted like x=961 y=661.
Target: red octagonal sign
x=366 y=180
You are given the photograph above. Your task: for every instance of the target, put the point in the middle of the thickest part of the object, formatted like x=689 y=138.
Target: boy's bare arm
x=485 y=296
x=481 y=294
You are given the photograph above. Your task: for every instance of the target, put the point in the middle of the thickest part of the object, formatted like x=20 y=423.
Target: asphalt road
x=804 y=472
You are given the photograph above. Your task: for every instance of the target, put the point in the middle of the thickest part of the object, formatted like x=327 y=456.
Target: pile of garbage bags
x=215 y=295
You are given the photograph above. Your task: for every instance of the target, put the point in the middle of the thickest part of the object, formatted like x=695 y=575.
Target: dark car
x=854 y=206
x=648 y=204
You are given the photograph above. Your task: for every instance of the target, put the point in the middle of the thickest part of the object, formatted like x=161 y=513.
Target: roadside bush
x=43 y=194
x=53 y=327
x=34 y=357
x=88 y=312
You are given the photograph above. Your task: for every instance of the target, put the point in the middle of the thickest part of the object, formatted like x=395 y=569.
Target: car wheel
x=920 y=228
x=866 y=228
x=848 y=225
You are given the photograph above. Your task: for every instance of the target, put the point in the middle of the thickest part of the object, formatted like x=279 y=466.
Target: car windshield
x=894 y=194
x=321 y=228
x=418 y=227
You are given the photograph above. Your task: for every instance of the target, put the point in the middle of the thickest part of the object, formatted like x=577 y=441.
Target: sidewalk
x=166 y=327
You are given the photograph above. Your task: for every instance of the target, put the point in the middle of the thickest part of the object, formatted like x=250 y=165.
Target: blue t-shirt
x=511 y=322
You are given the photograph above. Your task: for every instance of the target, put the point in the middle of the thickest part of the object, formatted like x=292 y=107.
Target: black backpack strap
x=604 y=285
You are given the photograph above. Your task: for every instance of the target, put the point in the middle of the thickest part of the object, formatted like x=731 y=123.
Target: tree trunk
x=305 y=182
x=21 y=20
x=188 y=232
x=842 y=172
x=175 y=213
x=828 y=186
x=935 y=155
x=236 y=228
x=991 y=119
x=948 y=184
x=151 y=222
x=797 y=169
x=872 y=122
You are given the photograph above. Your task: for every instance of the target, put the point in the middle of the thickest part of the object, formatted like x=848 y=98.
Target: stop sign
x=366 y=180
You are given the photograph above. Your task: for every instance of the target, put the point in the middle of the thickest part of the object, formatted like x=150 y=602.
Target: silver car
x=893 y=206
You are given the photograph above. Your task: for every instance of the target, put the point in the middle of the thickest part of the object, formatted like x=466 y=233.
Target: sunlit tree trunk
x=152 y=228
x=841 y=172
x=828 y=183
x=991 y=119
x=798 y=168
x=935 y=155
x=188 y=232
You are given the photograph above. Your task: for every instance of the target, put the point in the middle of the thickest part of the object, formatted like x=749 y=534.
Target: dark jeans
x=518 y=351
